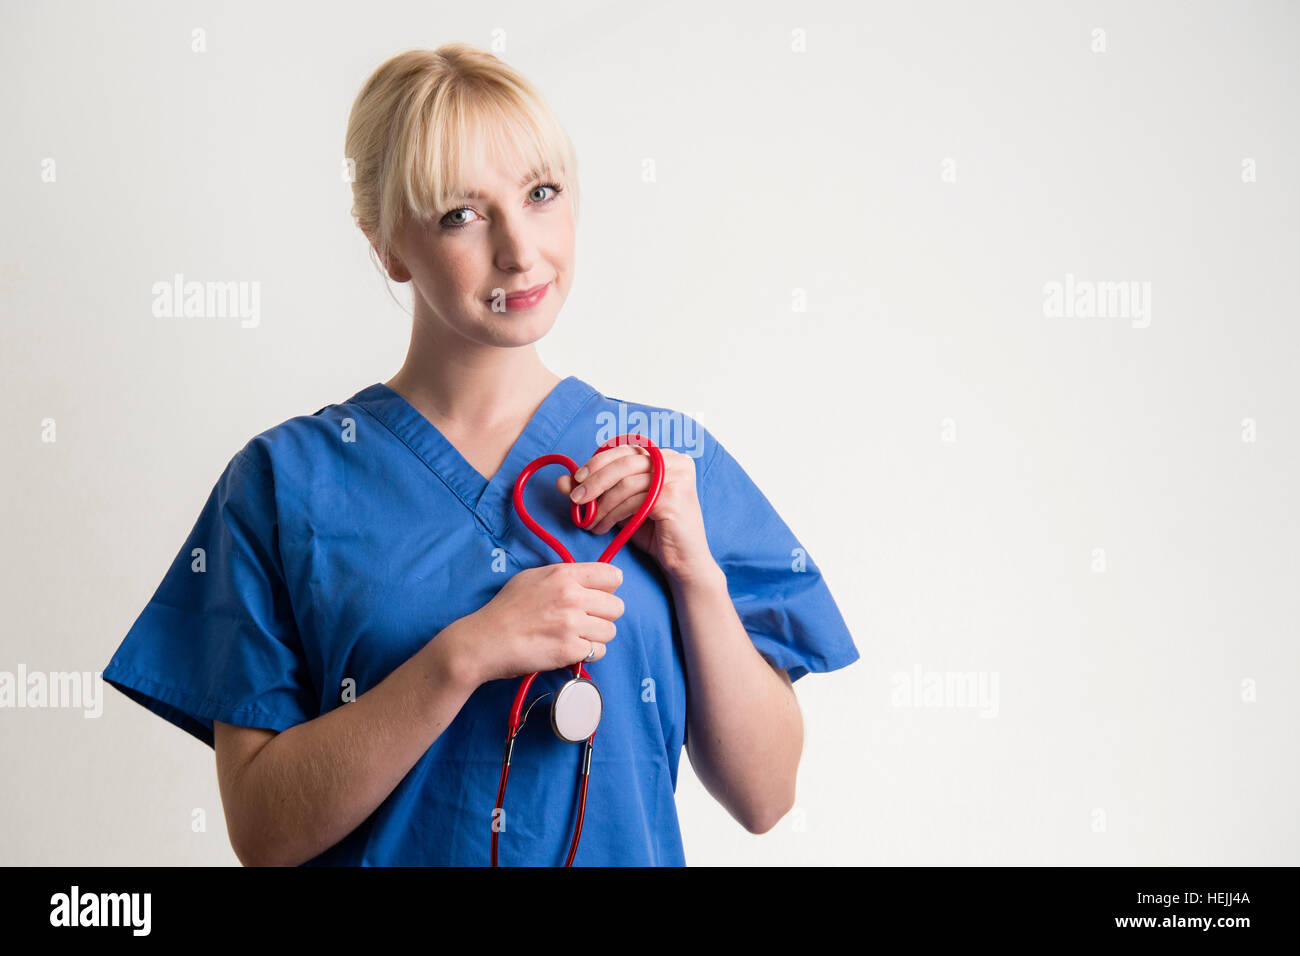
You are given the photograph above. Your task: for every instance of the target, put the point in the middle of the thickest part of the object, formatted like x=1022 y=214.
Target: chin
x=514 y=331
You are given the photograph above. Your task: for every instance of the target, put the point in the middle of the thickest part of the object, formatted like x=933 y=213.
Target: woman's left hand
x=619 y=478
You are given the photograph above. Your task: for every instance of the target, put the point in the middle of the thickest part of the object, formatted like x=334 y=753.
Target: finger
x=598 y=631
x=600 y=459
x=601 y=479
x=582 y=649
x=628 y=495
x=610 y=500
x=600 y=575
x=602 y=604
x=566 y=482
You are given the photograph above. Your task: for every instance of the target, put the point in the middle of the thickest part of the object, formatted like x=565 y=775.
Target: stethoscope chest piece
x=576 y=710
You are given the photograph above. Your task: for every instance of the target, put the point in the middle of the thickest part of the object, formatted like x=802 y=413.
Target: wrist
x=702 y=575
x=454 y=655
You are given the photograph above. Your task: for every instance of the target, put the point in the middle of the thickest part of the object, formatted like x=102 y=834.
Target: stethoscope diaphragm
x=576 y=710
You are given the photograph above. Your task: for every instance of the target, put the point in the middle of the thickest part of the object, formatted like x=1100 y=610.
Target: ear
x=392 y=264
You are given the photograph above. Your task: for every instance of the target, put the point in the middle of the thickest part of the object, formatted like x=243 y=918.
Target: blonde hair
x=423 y=123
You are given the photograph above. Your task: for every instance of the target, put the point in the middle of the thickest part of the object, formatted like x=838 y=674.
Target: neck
x=483 y=388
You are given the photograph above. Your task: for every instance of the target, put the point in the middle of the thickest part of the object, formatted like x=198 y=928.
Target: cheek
x=562 y=260
x=454 y=274
x=560 y=237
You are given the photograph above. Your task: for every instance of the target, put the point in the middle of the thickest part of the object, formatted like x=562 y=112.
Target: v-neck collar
x=489 y=500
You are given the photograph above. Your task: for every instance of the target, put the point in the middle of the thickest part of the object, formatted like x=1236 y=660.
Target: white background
x=1125 y=729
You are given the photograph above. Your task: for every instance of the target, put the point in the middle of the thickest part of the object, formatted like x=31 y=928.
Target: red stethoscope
x=576 y=710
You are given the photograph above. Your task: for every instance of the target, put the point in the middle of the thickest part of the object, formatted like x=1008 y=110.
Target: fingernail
x=580 y=474
x=578 y=493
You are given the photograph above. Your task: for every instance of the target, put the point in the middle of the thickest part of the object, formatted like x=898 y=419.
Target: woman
x=348 y=620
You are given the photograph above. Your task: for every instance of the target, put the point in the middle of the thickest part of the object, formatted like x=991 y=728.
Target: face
x=468 y=259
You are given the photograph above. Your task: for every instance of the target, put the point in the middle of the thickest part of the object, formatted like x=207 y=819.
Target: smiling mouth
x=521 y=293
x=523 y=298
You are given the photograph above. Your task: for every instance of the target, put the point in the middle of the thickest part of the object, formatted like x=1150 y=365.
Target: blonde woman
x=347 y=621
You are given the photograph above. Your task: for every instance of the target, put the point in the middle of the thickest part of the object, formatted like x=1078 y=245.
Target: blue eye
x=455 y=225
x=554 y=187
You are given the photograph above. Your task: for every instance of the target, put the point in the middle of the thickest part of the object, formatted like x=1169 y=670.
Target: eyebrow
x=532 y=174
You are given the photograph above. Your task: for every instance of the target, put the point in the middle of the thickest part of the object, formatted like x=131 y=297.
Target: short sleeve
x=218 y=640
x=779 y=593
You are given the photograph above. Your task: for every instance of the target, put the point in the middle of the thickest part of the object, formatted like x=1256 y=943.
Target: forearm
x=313 y=784
x=743 y=722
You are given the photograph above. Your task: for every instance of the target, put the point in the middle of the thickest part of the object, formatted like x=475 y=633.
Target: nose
x=514 y=247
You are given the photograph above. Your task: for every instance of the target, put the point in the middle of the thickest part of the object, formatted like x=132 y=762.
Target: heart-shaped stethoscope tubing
x=577 y=708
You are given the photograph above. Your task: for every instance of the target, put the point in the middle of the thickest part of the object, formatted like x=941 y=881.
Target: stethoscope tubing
x=584 y=516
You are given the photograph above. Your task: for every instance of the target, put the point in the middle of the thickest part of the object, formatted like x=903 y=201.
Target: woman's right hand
x=542 y=619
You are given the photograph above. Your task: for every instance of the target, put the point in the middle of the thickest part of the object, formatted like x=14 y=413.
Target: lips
x=525 y=293
x=520 y=294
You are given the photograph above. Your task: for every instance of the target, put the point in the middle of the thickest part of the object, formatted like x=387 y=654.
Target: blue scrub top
x=335 y=545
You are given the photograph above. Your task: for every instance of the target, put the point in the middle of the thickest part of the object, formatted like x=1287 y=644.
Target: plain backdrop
x=827 y=230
